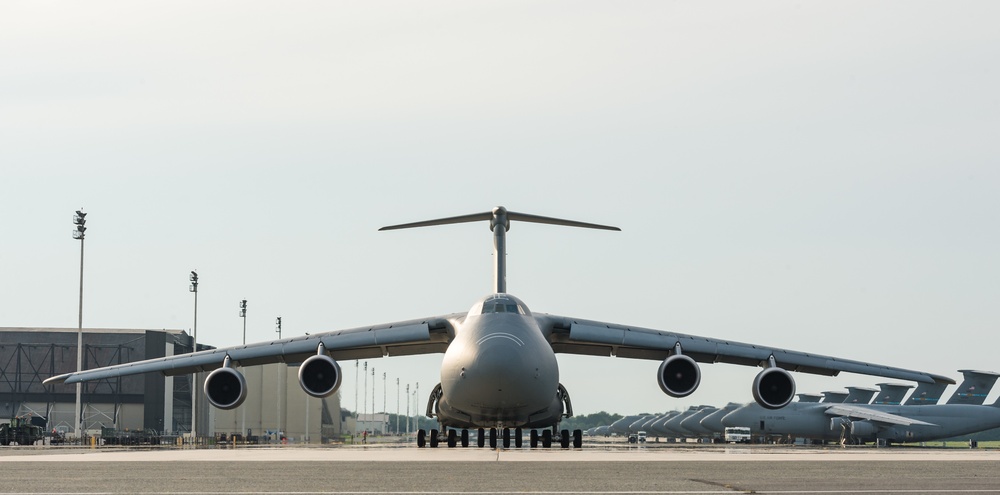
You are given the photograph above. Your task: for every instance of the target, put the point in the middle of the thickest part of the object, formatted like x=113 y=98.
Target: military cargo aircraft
x=499 y=369
x=862 y=422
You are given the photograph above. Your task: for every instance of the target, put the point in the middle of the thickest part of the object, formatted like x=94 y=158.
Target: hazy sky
x=817 y=176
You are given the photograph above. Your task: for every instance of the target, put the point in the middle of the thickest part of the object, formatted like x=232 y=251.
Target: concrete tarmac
x=408 y=470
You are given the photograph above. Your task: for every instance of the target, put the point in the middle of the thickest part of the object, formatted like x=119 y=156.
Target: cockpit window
x=501 y=306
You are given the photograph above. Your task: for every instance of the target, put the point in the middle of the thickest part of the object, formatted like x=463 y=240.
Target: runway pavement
x=398 y=470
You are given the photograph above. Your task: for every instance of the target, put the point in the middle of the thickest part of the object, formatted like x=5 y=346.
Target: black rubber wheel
x=577 y=439
x=564 y=439
x=518 y=437
x=546 y=438
x=421 y=438
x=434 y=439
x=493 y=438
x=533 y=439
x=506 y=438
x=465 y=438
x=452 y=439
x=481 y=438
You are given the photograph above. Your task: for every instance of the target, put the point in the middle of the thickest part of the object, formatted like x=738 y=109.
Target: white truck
x=737 y=434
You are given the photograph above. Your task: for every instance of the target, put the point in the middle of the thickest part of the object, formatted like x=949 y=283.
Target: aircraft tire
x=434 y=439
x=577 y=439
x=533 y=438
x=506 y=438
x=465 y=437
x=546 y=438
x=481 y=438
x=451 y=439
x=564 y=439
x=421 y=438
x=518 y=437
x=493 y=438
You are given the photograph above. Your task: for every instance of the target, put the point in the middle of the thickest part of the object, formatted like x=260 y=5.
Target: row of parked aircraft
x=859 y=415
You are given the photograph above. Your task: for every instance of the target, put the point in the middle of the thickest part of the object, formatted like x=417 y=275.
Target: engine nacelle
x=863 y=429
x=320 y=376
x=226 y=388
x=773 y=388
x=679 y=376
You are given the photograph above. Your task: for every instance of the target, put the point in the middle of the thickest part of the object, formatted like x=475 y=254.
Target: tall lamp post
x=80 y=221
x=194 y=348
x=243 y=314
x=364 y=427
x=281 y=384
x=384 y=409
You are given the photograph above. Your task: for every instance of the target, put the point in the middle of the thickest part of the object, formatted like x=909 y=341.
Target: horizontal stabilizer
x=500 y=215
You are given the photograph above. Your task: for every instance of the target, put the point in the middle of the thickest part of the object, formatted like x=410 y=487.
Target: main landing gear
x=502 y=437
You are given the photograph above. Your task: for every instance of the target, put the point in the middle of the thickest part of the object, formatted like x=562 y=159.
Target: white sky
x=817 y=176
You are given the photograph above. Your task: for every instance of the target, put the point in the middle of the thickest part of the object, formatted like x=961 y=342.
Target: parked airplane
x=865 y=423
x=499 y=368
x=890 y=422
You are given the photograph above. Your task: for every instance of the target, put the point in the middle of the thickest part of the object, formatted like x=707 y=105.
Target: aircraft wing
x=858 y=412
x=404 y=338
x=595 y=338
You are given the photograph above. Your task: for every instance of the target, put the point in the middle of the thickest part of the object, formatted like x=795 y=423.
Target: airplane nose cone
x=500 y=374
x=739 y=417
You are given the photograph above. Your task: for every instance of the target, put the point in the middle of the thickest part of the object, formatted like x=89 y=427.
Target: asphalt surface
x=411 y=470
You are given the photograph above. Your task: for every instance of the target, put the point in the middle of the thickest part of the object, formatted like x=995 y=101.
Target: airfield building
x=275 y=402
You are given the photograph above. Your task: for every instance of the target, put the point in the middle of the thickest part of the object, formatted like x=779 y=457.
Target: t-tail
x=500 y=219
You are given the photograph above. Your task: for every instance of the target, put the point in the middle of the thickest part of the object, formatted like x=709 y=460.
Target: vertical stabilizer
x=974 y=388
x=926 y=394
x=891 y=394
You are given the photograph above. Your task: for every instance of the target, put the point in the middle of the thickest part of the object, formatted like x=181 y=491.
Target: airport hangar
x=151 y=400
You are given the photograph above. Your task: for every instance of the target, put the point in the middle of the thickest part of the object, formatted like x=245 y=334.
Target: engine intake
x=773 y=388
x=679 y=376
x=320 y=376
x=226 y=388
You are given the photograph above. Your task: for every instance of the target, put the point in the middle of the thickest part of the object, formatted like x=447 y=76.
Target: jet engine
x=773 y=388
x=863 y=429
x=226 y=388
x=678 y=376
x=320 y=376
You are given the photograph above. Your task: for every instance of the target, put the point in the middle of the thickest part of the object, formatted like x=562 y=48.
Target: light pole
x=243 y=423
x=79 y=220
x=407 y=409
x=373 y=399
x=281 y=384
x=357 y=412
x=243 y=314
x=384 y=409
x=364 y=427
x=194 y=348
x=397 y=405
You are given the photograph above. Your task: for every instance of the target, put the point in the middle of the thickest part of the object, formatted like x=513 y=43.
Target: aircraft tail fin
x=500 y=219
x=974 y=388
x=926 y=394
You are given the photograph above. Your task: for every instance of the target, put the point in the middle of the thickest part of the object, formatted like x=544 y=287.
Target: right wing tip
x=55 y=380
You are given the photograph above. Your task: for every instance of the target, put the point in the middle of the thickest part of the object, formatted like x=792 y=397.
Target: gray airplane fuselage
x=809 y=420
x=499 y=369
